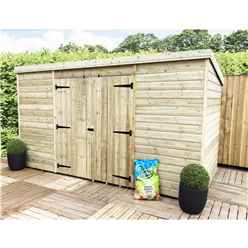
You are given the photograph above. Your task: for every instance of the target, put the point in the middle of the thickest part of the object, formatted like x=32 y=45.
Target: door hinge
x=62 y=166
x=61 y=87
x=58 y=126
x=124 y=132
x=124 y=85
x=125 y=178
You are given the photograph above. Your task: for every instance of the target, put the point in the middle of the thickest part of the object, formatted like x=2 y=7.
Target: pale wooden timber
x=26 y=195
x=234 y=122
x=166 y=57
x=211 y=120
x=110 y=112
x=36 y=118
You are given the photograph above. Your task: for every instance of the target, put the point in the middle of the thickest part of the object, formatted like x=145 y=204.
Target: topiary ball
x=16 y=146
x=195 y=176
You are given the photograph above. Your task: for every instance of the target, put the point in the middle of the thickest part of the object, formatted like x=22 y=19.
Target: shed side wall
x=169 y=102
x=211 y=121
x=36 y=127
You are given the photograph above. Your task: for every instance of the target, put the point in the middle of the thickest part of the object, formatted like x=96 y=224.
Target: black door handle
x=124 y=132
x=90 y=129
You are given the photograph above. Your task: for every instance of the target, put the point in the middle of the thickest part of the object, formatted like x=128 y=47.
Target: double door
x=94 y=134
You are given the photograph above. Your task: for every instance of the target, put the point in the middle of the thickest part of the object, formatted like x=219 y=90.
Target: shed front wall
x=36 y=118
x=166 y=106
x=169 y=104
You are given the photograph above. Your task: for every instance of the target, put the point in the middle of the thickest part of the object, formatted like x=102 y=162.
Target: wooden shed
x=91 y=119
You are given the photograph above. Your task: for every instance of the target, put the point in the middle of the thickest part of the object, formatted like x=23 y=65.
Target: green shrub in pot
x=194 y=182
x=16 y=154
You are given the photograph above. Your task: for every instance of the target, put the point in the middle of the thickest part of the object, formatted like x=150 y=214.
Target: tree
x=236 y=41
x=188 y=39
x=70 y=47
x=139 y=42
x=216 y=43
x=96 y=48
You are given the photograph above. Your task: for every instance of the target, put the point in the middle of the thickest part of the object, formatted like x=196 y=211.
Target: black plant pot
x=192 y=201
x=17 y=161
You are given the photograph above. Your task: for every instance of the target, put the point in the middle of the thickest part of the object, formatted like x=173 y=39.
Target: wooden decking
x=34 y=194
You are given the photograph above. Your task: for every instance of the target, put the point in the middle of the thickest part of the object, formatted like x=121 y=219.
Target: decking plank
x=135 y=216
x=21 y=174
x=207 y=210
x=184 y=216
x=233 y=177
x=242 y=213
x=219 y=175
x=102 y=211
x=224 y=212
x=226 y=176
x=239 y=177
x=229 y=193
x=17 y=194
x=32 y=194
x=215 y=210
x=233 y=213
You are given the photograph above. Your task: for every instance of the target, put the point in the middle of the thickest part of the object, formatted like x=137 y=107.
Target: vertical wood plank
x=233 y=128
x=54 y=123
x=204 y=108
x=244 y=133
x=18 y=104
x=120 y=118
x=222 y=121
x=233 y=148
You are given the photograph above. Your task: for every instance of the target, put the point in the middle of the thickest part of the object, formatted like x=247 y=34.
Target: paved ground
x=34 y=194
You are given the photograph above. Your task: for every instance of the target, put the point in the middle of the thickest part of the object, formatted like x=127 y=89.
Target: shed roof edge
x=141 y=59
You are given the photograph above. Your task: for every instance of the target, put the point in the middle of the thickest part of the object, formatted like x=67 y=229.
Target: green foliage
x=237 y=41
x=195 y=176
x=73 y=48
x=97 y=48
x=139 y=42
x=189 y=39
x=7 y=134
x=233 y=63
x=69 y=48
x=16 y=146
x=216 y=43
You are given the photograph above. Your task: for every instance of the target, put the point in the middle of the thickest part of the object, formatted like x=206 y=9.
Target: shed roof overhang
x=141 y=59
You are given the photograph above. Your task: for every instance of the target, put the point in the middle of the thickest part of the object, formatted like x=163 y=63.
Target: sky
x=33 y=40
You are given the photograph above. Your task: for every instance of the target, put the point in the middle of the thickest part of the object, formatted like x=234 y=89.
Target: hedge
x=231 y=64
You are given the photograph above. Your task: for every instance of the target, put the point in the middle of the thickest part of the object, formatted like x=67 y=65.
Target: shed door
x=120 y=130
x=72 y=150
x=63 y=126
x=97 y=110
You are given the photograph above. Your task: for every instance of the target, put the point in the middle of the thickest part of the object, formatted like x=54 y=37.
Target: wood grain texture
x=168 y=112
x=195 y=55
x=36 y=195
x=234 y=122
x=120 y=118
x=16 y=194
x=36 y=119
x=211 y=120
x=164 y=111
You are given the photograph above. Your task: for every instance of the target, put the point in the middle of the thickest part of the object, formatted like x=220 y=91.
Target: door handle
x=90 y=129
x=124 y=132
